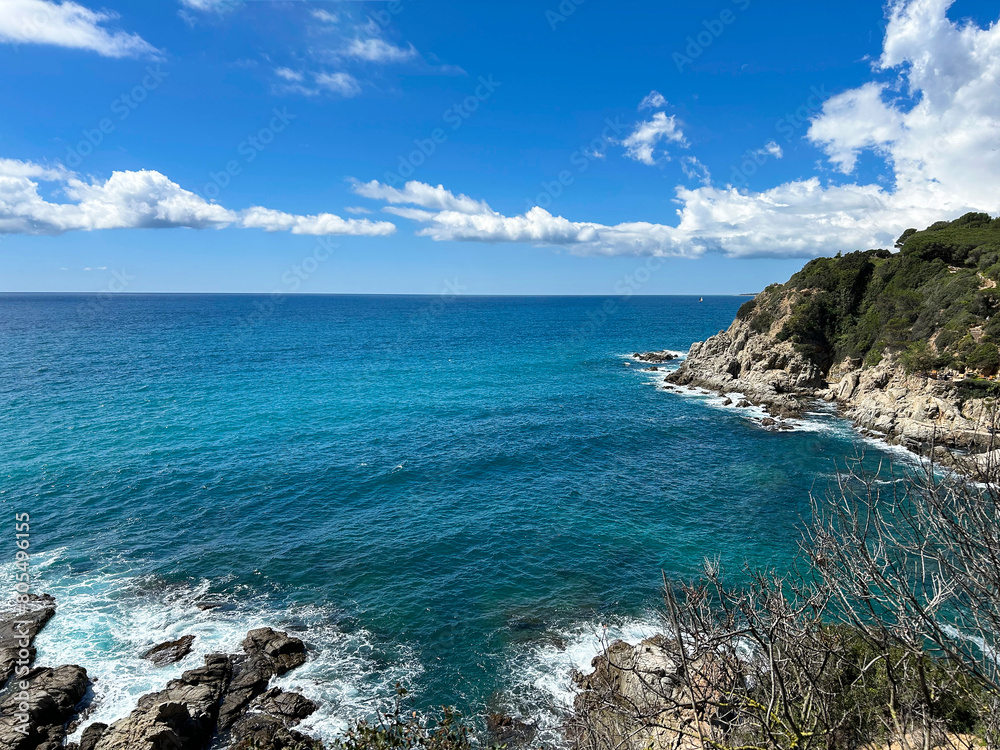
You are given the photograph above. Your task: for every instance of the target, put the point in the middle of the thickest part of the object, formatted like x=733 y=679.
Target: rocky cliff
x=905 y=343
x=913 y=410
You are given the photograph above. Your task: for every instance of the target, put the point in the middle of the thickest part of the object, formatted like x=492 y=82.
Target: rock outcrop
x=915 y=411
x=645 y=696
x=226 y=702
x=170 y=652
x=267 y=653
x=182 y=715
x=18 y=631
x=655 y=358
x=39 y=705
x=768 y=372
x=508 y=731
x=268 y=723
x=911 y=410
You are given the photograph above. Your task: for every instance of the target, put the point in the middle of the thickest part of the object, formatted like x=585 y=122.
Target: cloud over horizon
x=934 y=121
x=143 y=199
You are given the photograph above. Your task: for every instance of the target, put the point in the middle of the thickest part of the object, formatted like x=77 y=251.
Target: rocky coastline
x=923 y=414
x=227 y=703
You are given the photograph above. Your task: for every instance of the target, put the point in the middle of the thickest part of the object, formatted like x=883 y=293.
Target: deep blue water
x=454 y=493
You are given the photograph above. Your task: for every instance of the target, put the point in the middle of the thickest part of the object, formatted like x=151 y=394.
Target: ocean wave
x=822 y=419
x=541 y=690
x=105 y=622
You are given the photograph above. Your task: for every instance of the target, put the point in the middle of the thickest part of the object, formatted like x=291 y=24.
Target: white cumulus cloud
x=856 y=120
x=798 y=219
x=143 y=199
x=68 y=24
x=934 y=121
x=641 y=144
x=940 y=134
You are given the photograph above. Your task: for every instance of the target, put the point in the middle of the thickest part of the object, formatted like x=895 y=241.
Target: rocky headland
x=905 y=343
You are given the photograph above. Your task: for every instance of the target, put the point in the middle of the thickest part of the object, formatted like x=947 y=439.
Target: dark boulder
x=170 y=652
x=265 y=732
x=267 y=653
x=291 y=708
x=181 y=716
x=655 y=358
x=506 y=730
x=92 y=735
x=39 y=705
x=18 y=630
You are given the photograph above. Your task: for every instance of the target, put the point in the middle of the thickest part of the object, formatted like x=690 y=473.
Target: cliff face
x=905 y=344
x=768 y=372
x=913 y=410
x=909 y=409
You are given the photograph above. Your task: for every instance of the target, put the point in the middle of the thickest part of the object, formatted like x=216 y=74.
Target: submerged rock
x=655 y=358
x=170 y=652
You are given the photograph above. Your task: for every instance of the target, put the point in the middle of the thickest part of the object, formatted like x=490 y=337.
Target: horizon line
x=358 y=294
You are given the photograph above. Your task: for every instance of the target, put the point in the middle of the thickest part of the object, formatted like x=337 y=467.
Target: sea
x=462 y=496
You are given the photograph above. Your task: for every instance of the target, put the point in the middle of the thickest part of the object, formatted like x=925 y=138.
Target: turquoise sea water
x=458 y=494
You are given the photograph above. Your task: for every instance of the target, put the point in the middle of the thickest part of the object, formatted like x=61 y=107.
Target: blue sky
x=227 y=145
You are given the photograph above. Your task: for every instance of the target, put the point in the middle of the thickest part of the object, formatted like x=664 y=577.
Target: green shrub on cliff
x=938 y=291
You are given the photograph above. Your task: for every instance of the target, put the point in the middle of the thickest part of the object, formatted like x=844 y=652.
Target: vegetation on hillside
x=934 y=302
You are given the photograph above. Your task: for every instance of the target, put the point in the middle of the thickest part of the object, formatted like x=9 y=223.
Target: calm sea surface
x=462 y=495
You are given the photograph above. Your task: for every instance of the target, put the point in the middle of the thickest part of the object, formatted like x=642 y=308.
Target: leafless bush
x=885 y=637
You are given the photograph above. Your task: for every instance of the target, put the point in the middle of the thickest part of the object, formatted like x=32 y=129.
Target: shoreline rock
x=655 y=358
x=225 y=703
x=37 y=716
x=919 y=413
x=640 y=697
x=267 y=653
x=18 y=631
x=170 y=652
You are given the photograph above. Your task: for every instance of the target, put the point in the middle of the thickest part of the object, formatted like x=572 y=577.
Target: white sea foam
x=823 y=419
x=542 y=688
x=105 y=622
x=343 y=676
